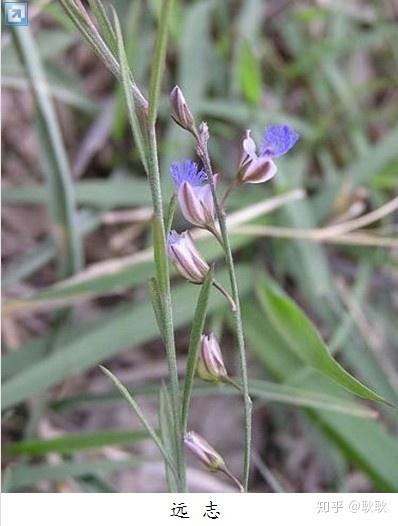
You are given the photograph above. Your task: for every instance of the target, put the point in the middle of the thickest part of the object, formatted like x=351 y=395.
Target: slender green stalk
x=164 y=284
x=203 y=153
x=159 y=60
x=141 y=416
x=162 y=263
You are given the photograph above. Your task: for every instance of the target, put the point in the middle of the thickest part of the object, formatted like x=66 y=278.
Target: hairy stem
x=154 y=182
x=203 y=153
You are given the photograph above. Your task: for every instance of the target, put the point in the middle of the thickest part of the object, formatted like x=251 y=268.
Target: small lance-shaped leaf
x=196 y=332
x=170 y=213
x=125 y=74
x=159 y=247
x=104 y=23
x=141 y=416
x=167 y=424
x=156 y=300
x=159 y=59
x=304 y=340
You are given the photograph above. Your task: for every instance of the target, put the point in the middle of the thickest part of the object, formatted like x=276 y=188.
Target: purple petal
x=173 y=238
x=277 y=140
x=187 y=171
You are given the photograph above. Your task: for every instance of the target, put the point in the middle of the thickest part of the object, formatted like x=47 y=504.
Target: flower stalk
x=204 y=155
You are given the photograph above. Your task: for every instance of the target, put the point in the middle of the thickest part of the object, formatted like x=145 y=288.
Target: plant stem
x=156 y=192
x=203 y=153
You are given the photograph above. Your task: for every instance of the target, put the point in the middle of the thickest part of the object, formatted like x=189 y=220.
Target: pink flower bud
x=204 y=452
x=181 y=113
x=254 y=168
x=210 y=366
x=186 y=257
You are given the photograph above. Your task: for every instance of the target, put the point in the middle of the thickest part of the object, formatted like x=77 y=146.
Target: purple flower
x=194 y=194
x=187 y=171
x=204 y=451
x=210 y=365
x=186 y=257
x=277 y=140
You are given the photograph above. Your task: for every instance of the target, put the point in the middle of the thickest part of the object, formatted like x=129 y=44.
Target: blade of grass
x=62 y=201
x=20 y=477
x=73 y=442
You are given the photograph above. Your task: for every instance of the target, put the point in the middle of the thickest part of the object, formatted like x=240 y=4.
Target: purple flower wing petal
x=277 y=140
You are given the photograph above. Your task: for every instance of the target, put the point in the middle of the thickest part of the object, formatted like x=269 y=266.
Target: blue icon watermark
x=16 y=13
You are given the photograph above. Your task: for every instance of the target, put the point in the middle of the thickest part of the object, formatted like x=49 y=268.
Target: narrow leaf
x=167 y=425
x=196 y=333
x=141 y=416
x=170 y=213
x=157 y=304
x=304 y=340
x=125 y=74
x=159 y=60
x=74 y=442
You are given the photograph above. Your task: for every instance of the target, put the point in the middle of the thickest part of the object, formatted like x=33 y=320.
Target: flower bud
x=181 y=113
x=204 y=134
x=194 y=194
x=210 y=366
x=204 y=452
x=186 y=257
x=254 y=168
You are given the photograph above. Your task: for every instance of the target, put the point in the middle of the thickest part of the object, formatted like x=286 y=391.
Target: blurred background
x=75 y=238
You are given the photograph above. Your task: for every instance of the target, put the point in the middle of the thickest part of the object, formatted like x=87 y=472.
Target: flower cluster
x=196 y=195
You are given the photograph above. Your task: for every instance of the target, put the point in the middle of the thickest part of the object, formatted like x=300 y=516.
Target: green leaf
x=365 y=443
x=53 y=153
x=152 y=433
x=160 y=256
x=170 y=213
x=106 y=29
x=156 y=300
x=304 y=340
x=19 y=477
x=167 y=426
x=74 y=442
x=125 y=78
x=95 y=192
x=159 y=60
x=249 y=74
x=194 y=342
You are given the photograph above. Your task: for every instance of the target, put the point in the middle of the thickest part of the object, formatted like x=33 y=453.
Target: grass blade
x=62 y=201
x=73 y=442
